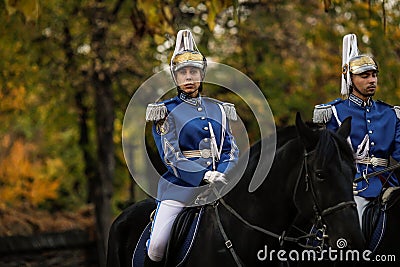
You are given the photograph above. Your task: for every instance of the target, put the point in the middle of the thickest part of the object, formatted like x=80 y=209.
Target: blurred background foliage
x=69 y=68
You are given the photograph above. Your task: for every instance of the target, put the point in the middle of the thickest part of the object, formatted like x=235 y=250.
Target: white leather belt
x=374 y=161
x=203 y=153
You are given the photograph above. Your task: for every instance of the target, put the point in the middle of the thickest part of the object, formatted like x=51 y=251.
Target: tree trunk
x=104 y=118
x=106 y=161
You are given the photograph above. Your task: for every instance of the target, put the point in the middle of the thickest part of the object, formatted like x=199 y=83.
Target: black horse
x=311 y=177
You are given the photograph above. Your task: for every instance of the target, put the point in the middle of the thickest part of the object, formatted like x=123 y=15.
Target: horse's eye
x=320 y=175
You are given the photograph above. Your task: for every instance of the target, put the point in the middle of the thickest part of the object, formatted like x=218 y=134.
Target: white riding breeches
x=167 y=211
x=361 y=204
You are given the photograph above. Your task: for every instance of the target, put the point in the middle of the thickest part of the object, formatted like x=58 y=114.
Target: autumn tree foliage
x=69 y=68
x=23 y=178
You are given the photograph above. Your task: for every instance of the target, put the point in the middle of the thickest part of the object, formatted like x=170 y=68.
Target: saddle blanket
x=181 y=255
x=375 y=217
x=378 y=231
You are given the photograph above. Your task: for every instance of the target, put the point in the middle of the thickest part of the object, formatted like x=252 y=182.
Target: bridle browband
x=319 y=215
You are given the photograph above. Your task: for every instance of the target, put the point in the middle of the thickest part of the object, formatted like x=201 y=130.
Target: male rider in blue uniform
x=375 y=125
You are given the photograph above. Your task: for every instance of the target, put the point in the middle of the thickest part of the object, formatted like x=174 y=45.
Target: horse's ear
x=307 y=135
x=345 y=128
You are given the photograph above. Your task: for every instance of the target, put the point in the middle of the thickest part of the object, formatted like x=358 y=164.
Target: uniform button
x=199 y=108
x=370 y=131
x=369 y=121
x=203 y=118
x=367 y=109
x=205 y=140
x=208 y=163
x=205 y=128
x=372 y=143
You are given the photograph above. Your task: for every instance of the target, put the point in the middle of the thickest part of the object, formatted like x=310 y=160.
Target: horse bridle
x=319 y=215
x=327 y=211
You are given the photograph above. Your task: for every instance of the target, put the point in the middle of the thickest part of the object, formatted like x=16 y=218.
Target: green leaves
x=28 y=8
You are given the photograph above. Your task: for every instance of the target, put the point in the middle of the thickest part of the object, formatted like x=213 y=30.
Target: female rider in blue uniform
x=193 y=138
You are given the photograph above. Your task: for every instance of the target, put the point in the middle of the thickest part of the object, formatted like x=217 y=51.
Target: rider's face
x=188 y=80
x=366 y=83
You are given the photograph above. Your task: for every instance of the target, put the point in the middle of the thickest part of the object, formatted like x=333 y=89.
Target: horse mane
x=330 y=141
x=285 y=136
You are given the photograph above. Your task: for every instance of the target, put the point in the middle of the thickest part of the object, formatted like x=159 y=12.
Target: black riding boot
x=149 y=263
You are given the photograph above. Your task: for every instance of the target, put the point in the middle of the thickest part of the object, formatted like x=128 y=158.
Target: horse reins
x=373 y=174
x=228 y=243
x=281 y=238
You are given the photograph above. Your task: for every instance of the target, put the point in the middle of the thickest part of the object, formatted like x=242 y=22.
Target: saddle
x=183 y=234
x=374 y=216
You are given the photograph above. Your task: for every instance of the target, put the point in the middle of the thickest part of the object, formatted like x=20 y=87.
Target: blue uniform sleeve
x=332 y=124
x=230 y=152
x=396 y=145
x=190 y=172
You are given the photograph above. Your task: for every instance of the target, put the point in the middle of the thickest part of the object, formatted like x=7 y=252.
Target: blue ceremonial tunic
x=183 y=139
x=375 y=132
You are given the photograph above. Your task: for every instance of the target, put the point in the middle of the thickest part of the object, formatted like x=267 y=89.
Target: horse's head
x=326 y=184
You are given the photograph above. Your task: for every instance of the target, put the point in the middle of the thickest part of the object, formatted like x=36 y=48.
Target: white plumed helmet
x=353 y=63
x=187 y=54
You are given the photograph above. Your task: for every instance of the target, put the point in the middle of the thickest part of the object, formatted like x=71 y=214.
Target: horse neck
x=271 y=205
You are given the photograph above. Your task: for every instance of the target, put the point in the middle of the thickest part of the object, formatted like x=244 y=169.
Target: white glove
x=211 y=177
